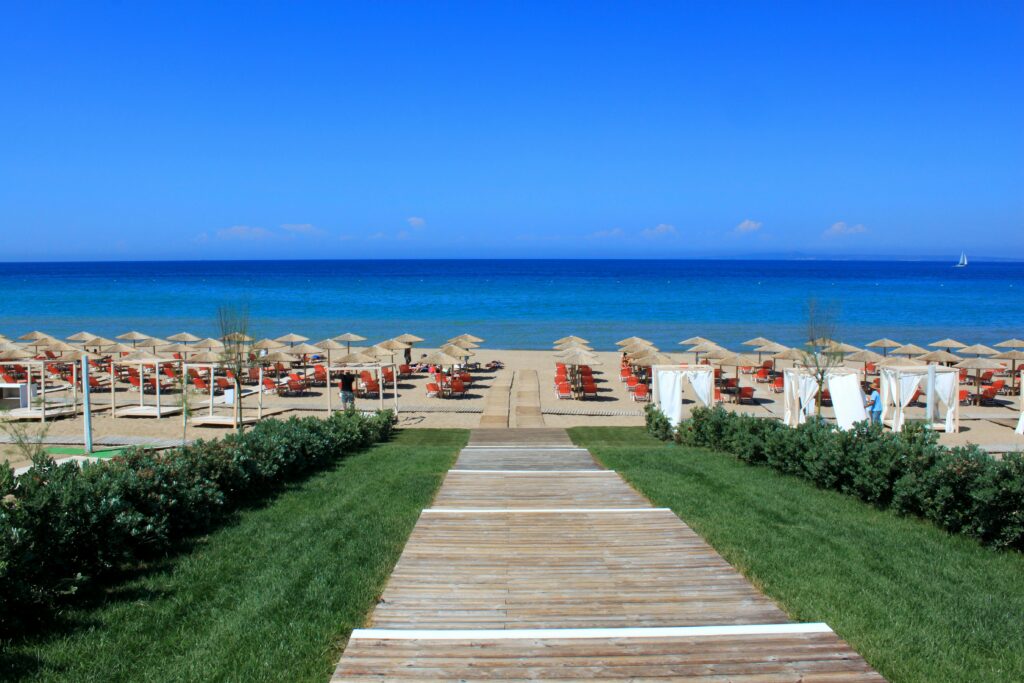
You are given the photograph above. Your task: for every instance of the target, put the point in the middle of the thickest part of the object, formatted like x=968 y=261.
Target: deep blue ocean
x=522 y=304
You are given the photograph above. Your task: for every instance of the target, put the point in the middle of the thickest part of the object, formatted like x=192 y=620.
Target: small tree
x=28 y=439
x=819 y=352
x=233 y=322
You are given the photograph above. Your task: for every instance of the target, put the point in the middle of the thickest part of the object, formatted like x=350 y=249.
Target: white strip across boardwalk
x=529 y=567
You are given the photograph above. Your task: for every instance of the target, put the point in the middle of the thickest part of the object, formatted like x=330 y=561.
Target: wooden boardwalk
x=534 y=563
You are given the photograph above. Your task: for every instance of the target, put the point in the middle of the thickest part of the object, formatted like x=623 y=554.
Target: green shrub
x=62 y=525
x=962 y=490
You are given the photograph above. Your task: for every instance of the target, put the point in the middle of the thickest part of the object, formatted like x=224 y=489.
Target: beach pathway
x=513 y=401
x=536 y=563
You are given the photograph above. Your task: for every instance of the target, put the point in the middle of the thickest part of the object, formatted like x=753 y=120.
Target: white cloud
x=607 y=234
x=749 y=225
x=302 y=229
x=840 y=228
x=402 y=235
x=660 y=230
x=201 y=238
x=376 y=236
x=416 y=221
x=243 y=232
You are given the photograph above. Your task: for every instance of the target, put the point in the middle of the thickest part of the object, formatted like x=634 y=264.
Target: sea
x=523 y=304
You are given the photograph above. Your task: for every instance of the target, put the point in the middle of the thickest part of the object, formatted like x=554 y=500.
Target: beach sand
x=510 y=397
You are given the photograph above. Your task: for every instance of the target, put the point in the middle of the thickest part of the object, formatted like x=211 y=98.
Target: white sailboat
x=962 y=263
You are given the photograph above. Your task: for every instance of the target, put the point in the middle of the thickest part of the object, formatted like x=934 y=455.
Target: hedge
x=962 y=490
x=64 y=525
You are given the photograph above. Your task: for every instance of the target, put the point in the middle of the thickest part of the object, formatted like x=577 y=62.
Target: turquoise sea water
x=522 y=304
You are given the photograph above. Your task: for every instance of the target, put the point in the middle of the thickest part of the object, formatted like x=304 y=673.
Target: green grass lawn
x=919 y=604
x=271 y=597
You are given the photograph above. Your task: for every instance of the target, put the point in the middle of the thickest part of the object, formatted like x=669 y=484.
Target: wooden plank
x=750 y=658
x=525 y=459
x=588 y=489
x=546 y=436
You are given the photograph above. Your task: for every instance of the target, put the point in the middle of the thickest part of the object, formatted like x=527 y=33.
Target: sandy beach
x=521 y=394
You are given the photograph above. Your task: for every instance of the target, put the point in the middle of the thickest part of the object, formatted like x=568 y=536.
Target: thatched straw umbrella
x=940 y=356
x=704 y=347
x=909 y=350
x=134 y=337
x=348 y=338
x=571 y=338
x=628 y=341
x=947 y=344
x=758 y=341
x=1010 y=344
x=469 y=338
x=693 y=341
x=184 y=338
x=209 y=344
x=291 y=338
x=81 y=336
x=866 y=356
x=979 y=350
x=410 y=339
x=268 y=345
x=885 y=344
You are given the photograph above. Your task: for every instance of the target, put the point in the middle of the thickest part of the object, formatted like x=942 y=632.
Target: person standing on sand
x=347 y=387
x=874 y=406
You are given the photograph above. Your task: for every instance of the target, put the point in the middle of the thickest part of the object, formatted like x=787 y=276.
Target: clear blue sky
x=141 y=130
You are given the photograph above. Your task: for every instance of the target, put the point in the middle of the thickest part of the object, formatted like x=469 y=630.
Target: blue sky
x=360 y=130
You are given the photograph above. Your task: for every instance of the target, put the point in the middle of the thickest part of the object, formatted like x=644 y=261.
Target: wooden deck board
x=540 y=436
x=523 y=459
x=799 y=657
x=537 y=490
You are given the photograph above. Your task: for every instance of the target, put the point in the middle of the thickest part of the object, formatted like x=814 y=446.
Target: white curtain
x=847 y=399
x=907 y=386
x=789 y=399
x=1020 y=423
x=703 y=383
x=670 y=395
x=947 y=386
x=808 y=390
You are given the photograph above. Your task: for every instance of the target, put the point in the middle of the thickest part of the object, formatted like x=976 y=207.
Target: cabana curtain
x=1020 y=422
x=670 y=395
x=668 y=388
x=799 y=390
x=847 y=399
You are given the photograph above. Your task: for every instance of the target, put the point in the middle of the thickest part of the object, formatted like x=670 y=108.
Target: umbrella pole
x=259 y=410
x=156 y=383
x=113 y=394
x=329 y=409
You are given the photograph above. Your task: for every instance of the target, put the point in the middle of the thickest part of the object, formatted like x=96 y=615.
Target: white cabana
x=667 y=387
x=31 y=403
x=800 y=387
x=941 y=386
x=159 y=410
